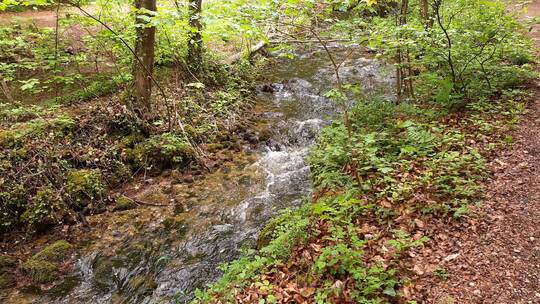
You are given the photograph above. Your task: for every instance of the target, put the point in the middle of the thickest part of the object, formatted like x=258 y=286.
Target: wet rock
x=65 y=287
x=265 y=135
x=175 y=225
x=267 y=88
x=188 y=179
x=143 y=284
x=41 y=271
x=103 y=269
x=251 y=138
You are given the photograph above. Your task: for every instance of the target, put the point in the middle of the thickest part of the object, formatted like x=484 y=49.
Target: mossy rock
x=56 y=252
x=7 y=263
x=64 y=287
x=141 y=283
x=7 y=280
x=103 y=273
x=84 y=185
x=124 y=203
x=173 y=224
x=161 y=151
x=41 y=272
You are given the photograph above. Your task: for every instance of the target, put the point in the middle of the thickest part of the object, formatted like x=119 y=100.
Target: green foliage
x=477 y=49
x=288 y=230
x=161 y=151
x=45 y=209
x=84 y=186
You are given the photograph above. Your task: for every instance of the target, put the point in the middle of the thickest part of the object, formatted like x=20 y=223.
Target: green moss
x=65 y=287
x=42 y=267
x=8 y=138
x=173 y=224
x=141 y=282
x=41 y=271
x=6 y=263
x=84 y=185
x=6 y=280
x=124 y=203
x=56 y=252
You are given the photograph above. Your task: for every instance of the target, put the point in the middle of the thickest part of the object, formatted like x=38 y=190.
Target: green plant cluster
x=464 y=50
x=435 y=156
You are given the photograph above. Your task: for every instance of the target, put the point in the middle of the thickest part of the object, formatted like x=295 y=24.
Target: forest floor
x=494 y=257
x=42 y=17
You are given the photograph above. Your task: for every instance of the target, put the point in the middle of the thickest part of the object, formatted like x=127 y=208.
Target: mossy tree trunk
x=144 y=57
x=195 y=49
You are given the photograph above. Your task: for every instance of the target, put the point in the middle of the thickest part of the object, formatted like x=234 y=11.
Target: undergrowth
x=404 y=163
x=59 y=160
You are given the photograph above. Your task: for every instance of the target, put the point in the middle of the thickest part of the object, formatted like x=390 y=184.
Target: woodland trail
x=495 y=257
x=41 y=18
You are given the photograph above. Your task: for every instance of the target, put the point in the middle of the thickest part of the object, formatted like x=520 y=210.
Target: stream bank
x=152 y=254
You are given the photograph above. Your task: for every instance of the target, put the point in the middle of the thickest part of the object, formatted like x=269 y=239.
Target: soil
x=494 y=255
x=41 y=18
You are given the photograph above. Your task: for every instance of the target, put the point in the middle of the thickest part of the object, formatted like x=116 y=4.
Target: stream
x=161 y=255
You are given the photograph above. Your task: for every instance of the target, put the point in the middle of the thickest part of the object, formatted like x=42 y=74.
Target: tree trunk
x=144 y=59
x=424 y=13
x=424 y=10
x=195 y=48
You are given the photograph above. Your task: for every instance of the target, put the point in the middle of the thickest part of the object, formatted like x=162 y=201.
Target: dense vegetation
x=172 y=83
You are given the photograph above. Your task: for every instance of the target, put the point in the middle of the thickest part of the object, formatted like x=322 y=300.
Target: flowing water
x=159 y=255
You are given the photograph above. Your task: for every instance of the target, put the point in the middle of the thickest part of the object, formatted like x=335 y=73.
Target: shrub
x=84 y=185
x=162 y=151
x=45 y=209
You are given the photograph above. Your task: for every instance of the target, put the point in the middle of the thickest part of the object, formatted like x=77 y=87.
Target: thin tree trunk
x=144 y=62
x=401 y=77
x=424 y=12
x=195 y=38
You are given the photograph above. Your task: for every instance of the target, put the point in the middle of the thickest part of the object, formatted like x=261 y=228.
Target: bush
x=45 y=209
x=84 y=186
x=161 y=151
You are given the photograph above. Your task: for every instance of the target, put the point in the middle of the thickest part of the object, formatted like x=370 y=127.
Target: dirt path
x=42 y=18
x=494 y=257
